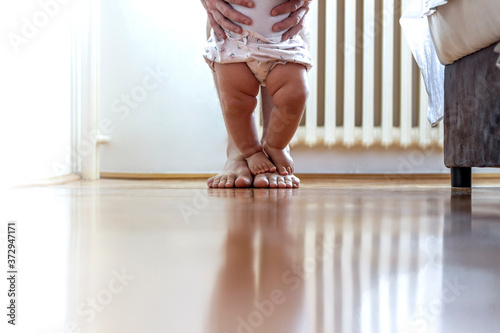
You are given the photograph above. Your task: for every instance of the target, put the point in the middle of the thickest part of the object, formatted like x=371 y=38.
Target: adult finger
x=294 y=19
x=246 y=3
x=214 y=3
x=230 y=14
x=293 y=31
x=289 y=7
x=225 y=23
x=217 y=28
x=227 y=11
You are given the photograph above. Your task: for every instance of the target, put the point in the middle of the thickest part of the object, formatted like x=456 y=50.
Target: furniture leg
x=461 y=177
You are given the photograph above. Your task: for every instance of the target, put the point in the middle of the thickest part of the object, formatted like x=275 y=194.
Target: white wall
x=173 y=122
x=35 y=91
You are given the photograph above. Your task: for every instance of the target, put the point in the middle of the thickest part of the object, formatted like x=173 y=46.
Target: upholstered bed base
x=472 y=115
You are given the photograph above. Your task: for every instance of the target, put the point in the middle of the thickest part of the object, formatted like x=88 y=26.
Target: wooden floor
x=373 y=254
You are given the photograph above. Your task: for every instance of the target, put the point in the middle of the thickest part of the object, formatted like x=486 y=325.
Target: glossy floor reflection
x=335 y=256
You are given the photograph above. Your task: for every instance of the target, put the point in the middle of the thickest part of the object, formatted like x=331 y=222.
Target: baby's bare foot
x=259 y=163
x=235 y=174
x=281 y=158
x=275 y=180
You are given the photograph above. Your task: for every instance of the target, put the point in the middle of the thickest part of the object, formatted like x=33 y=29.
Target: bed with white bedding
x=462 y=27
x=463 y=36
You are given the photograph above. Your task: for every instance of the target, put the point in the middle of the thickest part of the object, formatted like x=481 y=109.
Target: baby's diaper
x=260 y=54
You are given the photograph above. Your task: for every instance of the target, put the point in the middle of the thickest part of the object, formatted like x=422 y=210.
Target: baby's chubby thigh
x=236 y=80
x=287 y=84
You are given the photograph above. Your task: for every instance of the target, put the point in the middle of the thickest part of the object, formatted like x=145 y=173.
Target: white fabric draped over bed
x=416 y=29
x=497 y=50
x=438 y=36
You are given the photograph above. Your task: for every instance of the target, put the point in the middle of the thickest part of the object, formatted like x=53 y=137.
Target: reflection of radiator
x=370 y=270
x=365 y=88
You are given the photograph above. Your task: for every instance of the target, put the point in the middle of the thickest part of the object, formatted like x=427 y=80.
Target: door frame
x=85 y=90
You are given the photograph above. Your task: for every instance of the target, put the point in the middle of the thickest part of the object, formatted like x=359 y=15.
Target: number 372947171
x=11 y=245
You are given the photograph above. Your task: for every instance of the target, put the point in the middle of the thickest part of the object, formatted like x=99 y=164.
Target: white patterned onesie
x=258 y=46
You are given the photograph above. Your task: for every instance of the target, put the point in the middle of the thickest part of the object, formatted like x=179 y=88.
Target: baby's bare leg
x=287 y=84
x=238 y=89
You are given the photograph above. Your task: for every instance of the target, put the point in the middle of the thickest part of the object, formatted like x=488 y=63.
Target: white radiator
x=365 y=88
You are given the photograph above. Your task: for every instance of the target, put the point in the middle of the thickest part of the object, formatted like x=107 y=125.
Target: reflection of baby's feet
x=258 y=163
x=281 y=158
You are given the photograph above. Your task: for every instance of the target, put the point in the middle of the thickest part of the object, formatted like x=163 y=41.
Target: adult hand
x=221 y=15
x=294 y=23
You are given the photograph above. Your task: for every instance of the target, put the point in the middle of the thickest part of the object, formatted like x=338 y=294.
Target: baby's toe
x=282 y=171
x=258 y=170
x=264 y=168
